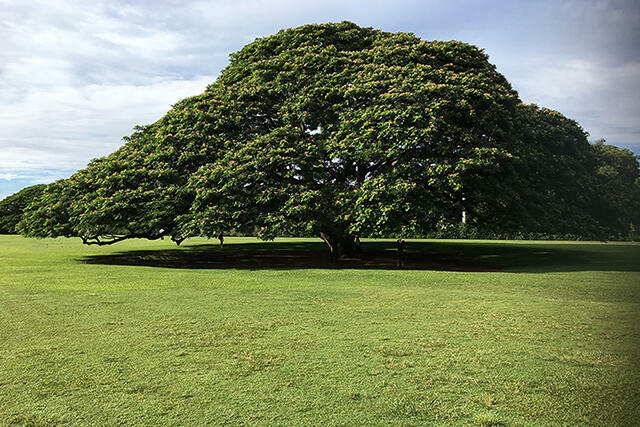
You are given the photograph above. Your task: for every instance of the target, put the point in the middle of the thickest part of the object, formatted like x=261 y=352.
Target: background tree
x=12 y=207
x=617 y=205
x=556 y=171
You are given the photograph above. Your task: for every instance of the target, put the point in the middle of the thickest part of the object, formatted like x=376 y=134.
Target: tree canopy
x=337 y=131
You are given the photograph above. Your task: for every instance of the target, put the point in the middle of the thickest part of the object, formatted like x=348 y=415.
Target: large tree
x=345 y=131
x=331 y=130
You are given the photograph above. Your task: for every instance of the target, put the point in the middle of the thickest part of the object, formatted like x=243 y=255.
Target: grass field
x=484 y=333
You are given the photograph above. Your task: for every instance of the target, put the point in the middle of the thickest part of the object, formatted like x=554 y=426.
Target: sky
x=77 y=76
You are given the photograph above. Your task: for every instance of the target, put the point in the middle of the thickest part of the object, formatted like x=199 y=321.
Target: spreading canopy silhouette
x=331 y=130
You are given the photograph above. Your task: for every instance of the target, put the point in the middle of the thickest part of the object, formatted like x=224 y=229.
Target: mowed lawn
x=515 y=333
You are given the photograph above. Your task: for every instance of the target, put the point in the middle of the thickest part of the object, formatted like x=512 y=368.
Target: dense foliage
x=618 y=191
x=337 y=131
x=12 y=207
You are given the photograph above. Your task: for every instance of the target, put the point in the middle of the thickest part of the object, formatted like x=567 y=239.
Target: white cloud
x=68 y=126
x=12 y=176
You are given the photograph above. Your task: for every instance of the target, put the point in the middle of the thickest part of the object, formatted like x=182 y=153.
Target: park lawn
x=532 y=333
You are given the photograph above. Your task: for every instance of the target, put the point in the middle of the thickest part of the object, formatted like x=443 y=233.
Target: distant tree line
x=12 y=207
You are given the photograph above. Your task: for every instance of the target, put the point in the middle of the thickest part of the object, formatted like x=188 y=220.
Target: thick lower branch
x=112 y=238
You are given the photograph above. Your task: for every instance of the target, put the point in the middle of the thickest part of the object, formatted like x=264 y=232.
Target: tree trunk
x=340 y=244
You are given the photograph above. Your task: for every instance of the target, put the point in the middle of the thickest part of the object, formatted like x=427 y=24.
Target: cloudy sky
x=76 y=76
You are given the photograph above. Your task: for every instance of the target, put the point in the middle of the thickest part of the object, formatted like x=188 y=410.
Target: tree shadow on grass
x=419 y=255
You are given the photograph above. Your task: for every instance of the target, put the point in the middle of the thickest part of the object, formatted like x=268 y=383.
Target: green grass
x=511 y=333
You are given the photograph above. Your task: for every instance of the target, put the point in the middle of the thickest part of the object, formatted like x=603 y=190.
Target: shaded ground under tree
x=381 y=254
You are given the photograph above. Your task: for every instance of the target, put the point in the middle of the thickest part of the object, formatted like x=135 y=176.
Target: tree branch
x=95 y=240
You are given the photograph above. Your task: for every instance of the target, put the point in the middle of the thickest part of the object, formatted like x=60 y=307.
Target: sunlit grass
x=537 y=333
